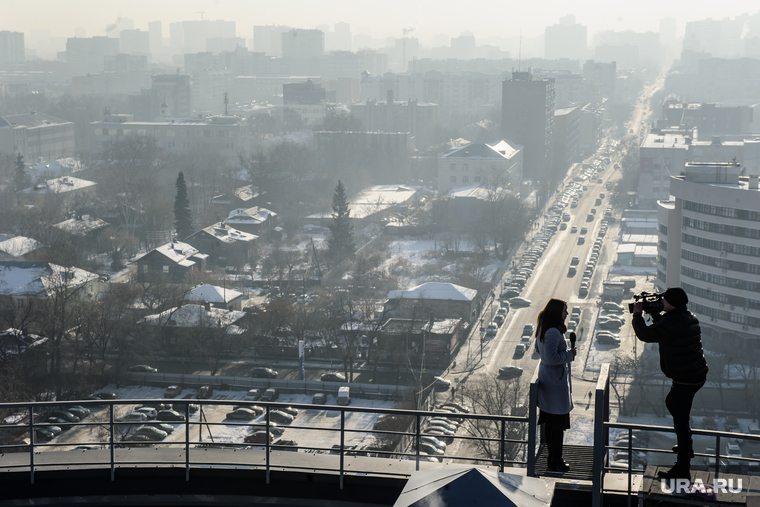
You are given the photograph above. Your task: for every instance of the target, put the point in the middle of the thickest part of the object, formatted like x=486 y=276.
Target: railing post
x=717 y=456
x=342 y=442
x=630 y=462
x=267 y=438
x=532 y=420
x=501 y=444
x=111 y=440
x=417 y=441
x=31 y=442
x=187 y=438
x=600 y=442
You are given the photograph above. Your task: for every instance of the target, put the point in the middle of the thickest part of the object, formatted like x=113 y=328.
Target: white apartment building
x=475 y=164
x=709 y=244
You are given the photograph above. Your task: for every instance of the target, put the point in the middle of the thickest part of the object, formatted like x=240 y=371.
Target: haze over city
x=225 y=225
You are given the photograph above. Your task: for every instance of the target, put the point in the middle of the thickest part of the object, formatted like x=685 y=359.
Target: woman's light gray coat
x=554 y=373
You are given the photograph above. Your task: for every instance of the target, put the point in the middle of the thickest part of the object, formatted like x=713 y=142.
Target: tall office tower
x=195 y=33
x=463 y=47
x=528 y=120
x=11 y=47
x=300 y=43
x=567 y=39
x=155 y=29
x=709 y=244
x=343 y=38
x=268 y=39
x=87 y=56
x=134 y=42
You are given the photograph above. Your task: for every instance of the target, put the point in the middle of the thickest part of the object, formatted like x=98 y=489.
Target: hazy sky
x=385 y=18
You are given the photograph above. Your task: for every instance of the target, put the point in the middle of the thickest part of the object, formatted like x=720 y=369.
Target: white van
x=343 y=397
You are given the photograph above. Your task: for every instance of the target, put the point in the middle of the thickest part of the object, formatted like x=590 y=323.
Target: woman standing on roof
x=554 y=390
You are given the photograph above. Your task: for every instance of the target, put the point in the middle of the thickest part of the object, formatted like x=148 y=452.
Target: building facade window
x=453 y=179
x=453 y=167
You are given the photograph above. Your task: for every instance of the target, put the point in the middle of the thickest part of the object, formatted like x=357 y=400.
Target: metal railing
x=114 y=434
x=602 y=427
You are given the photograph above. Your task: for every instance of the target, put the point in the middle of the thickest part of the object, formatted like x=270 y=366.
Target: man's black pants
x=679 y=401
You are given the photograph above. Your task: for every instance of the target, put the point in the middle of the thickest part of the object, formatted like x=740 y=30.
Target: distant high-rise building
x=11 y=47
x=568 y=39
x=176 y=91
x=87 y=56
x=463 y=47
x=155 y=29
x=304 y=44
x=134 y=42
x=343 y=37
x=602 y=77
x=268 y=39
x=528 y=120
x=195 y=33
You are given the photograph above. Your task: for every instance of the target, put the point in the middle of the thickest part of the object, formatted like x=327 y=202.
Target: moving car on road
x=519 y=302
x=510 y=371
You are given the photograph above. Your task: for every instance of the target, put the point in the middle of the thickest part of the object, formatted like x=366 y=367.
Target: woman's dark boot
x=558 y=464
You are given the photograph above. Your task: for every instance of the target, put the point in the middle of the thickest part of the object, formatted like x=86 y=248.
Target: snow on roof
x=445 y=326
x=255 y=215
x=14 y=341
x=176 y=251
x=193 y=316
x=213 y=294
x=435 y=290
x=479 y=192
x=374 y=199
x=227 y=234
x=246 y=193
x=59 y=186
x=500 y=150
x=39 y=278
x=19 y=246
x=69 y=164
x=81 y=226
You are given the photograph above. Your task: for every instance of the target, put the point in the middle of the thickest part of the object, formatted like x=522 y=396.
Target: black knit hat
x=676 y=296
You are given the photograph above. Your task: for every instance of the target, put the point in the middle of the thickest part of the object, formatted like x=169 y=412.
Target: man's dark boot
x=558 y=464
x=679 y=471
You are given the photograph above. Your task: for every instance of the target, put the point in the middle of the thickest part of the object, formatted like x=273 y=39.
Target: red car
x=708 y=423
x=259 y=437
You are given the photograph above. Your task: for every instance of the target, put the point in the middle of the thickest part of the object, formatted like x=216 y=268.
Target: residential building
x=36 y=136
x=268 y=39
x=209 y=87
x=710 y=245
x=134 y=42
x=195 y=33
x=419 y=118
x=255 y=220
x=225 y=245
x=23 y=283
x=481 y=164
x=66 y=193
x=306 y=99
x=226 y=135
x=175 y=90
x=567 y=123
x=172 y=260
x=661 y=156
x=263 y=89
x=567 y=39
x=303 y=44
x=87 y=55
x=12 y=48
x=432 y=300
x=20 y=248
x=84 y=230
x=528 y=120
x=177 y=324
x=590 y=128
x=708 y=118
x=408 y=339
x=213 y=296
x=602 y=77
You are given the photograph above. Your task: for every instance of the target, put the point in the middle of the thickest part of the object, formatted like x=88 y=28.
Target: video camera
x=652 y=302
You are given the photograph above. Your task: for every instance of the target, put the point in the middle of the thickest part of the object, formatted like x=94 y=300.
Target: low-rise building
x=255 y=220
x=494 y=165
x=36 y=136
x=212 y=296
x=172 y=260
x=436 y=300
x=66 y=192
x=225 y=245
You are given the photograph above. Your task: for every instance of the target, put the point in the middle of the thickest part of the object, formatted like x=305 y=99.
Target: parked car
x=289 y=410
x=151 y=432
x=172 y=391
x=498 y=319
x=613 y=307
x=241 y=413
x=105 y=395
x=429 y=439
x=259 y=437
x=273 y=427
x=161 y=426
x=65 y=415
x=205 y=392
x=270 y=395
x=510 y=371
x=430 y=449
x=332 y=376
x=261 y=372
x=319 y=399
x=286 y=445
x=280 y=417
x=170 y=415
x=43 y=434
x=609 y=323
x=492 y=329
x=183 y=407
x=252 y=395
x=133 y=417
x=438 y=431
x=454 y=405
x=150 y=412
x=520 y=349
x=143 y=368
x=79 y=411
x=708 y=423
x=732 y=424
x=510 y=292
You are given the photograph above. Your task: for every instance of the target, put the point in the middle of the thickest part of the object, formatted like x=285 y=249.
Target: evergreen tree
x=21 y=178
x=341 y=243
x=183 y=219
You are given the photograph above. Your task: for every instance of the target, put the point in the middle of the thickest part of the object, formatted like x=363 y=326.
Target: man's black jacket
x=680 y=339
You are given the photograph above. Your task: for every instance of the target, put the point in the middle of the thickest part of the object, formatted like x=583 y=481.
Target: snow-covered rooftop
x=227 y=234
x=374 y=199
x=19 y=246
x=176 y=251
x=193 y=316
x=59 y=186
x=212 y=294
x=255 y=215
x=435 y=290
x=81 y=226
x=500 y=150
x=39 y=278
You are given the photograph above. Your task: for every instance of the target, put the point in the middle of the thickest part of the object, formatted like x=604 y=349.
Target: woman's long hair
x=551 y=316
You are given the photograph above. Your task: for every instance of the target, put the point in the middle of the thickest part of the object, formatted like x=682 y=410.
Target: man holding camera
x=679 y=336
